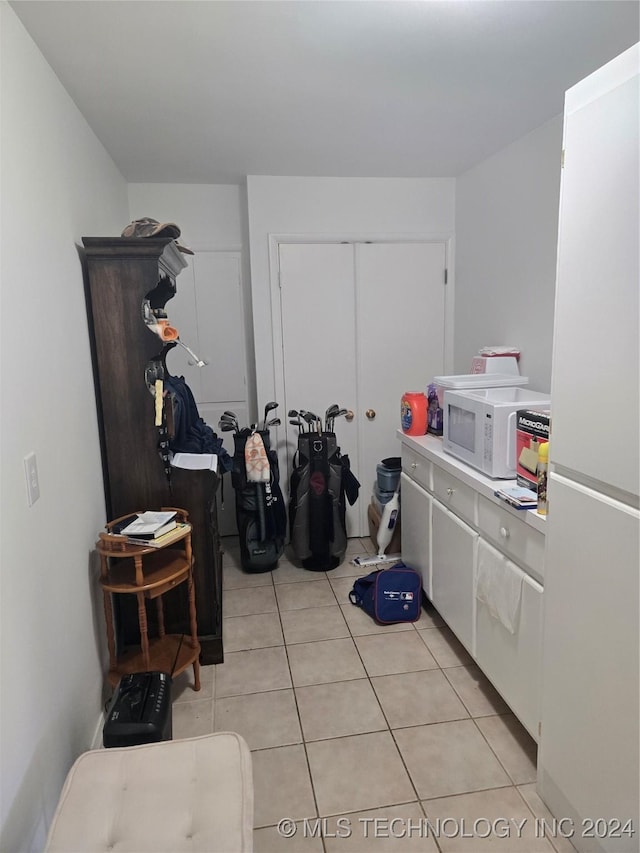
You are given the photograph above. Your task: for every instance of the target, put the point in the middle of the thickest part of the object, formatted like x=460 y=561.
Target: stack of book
x=518 y=497
x=151 y=529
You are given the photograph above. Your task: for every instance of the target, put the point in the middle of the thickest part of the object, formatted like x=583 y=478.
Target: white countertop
x=430 y=447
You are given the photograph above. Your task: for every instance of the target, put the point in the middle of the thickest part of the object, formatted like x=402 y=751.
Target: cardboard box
x=373 y=516
x=532 y=429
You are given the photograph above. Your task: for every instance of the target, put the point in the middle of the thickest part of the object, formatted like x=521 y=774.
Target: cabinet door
x=597 y=281
x=512 y=661
x=416 y=530
x=589 y=745
x=453 y=554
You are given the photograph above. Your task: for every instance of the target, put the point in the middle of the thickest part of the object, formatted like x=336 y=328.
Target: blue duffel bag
x=389 y=595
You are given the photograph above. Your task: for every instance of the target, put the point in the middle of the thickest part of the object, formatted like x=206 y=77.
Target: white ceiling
x=208 y=91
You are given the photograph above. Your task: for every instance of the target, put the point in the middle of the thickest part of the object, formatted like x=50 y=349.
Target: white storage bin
x=465 y=381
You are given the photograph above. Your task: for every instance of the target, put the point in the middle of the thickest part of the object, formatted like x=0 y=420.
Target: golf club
x=297 y=422
x=228 y=421
x=233 y=417
x=309 y=418
x=329 y=414
x=269 y=407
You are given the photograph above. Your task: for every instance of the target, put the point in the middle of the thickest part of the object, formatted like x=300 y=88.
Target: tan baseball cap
x=147 y=227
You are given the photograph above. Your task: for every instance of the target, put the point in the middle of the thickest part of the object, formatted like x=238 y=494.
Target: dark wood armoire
x=121 y=273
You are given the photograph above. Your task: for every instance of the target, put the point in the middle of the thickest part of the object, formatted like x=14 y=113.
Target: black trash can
x=140 y=711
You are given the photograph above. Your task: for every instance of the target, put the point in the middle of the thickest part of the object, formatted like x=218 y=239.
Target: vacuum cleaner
x=388 y=519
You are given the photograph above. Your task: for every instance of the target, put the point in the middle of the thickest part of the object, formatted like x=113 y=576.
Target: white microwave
x=479 y=426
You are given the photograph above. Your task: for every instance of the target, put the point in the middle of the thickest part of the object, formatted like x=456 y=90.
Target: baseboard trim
x=96 y=741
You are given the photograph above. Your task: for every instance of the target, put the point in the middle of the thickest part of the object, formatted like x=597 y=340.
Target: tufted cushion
x=193 y=795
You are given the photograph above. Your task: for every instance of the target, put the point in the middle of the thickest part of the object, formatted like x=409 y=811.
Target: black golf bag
x=319 y=484
x=260 y=509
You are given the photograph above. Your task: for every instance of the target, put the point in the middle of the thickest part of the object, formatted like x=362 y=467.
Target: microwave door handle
x=511 y=441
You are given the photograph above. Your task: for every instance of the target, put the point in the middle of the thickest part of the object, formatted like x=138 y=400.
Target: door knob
x=370 y=413
x=349 y=416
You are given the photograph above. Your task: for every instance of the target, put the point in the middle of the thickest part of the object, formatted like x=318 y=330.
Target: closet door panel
x=220 y=325
x=400 y=305
x=181 y=311
x=207 y=312
x=318 y=331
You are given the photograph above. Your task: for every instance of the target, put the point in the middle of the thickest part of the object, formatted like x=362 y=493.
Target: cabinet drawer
x=416 y=467
x=455 y=494
x=513 y=536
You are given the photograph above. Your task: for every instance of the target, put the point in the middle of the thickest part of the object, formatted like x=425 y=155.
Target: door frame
x=277 y=239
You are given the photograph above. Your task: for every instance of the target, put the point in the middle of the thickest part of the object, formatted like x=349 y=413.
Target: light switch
x=31 y=473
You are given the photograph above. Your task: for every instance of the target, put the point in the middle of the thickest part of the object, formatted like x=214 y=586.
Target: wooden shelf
x=162 y=656
x=162 y=570
x=144 y=573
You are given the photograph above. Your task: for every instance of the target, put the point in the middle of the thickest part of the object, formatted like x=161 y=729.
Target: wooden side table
x=148 y=572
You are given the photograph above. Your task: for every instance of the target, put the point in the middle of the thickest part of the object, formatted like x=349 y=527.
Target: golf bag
x=260 y=509
x=319 y=484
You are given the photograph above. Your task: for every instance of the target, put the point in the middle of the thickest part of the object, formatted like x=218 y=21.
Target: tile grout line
x=389 y=729
x=368 y=677
x=295 y=699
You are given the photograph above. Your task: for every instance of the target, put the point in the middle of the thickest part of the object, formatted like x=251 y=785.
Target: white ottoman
x=193 y=795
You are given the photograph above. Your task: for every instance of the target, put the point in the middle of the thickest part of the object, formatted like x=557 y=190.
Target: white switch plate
x=31 y=473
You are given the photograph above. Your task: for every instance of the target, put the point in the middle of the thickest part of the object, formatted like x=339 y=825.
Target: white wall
x=347 y=208
x=58 y=184
x=211 y=217
x=506 y=236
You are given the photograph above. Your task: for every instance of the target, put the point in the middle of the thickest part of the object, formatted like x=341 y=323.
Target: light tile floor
x=362 y=733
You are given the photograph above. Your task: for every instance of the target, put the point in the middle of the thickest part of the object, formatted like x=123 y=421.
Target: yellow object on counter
x=541 y=473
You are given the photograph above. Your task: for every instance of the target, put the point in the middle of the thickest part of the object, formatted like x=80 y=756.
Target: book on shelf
x=173 y=535
x=148 y=525
x=518 y=497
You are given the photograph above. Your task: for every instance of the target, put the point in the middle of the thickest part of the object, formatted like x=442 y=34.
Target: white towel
x=499 y=586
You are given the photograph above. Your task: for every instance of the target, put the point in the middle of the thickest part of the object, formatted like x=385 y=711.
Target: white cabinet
x=597 y=279
x=417 y=467
x=454 y=494
x=589 y=764
x=416 y=530
x=453 y=552
x=590 y=705
x=457 y=534
x=510 y=534
x=508 y=648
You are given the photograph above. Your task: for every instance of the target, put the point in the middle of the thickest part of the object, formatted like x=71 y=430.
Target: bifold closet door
x=317 y=299
x=400 y=303
x=361 y=324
